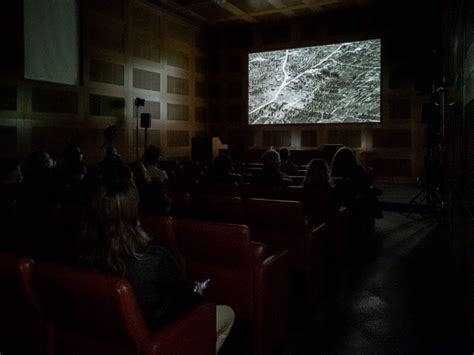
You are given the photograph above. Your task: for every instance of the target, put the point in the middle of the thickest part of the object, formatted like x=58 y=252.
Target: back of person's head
x=10 y=171
x=140 y=174
x=73 y=154
x=112 y=229
x=317 y=174
x=222 y=164
x=152 y=155
x=271 y=159
x=343 y=163
x=284 y=154
x=40 y=160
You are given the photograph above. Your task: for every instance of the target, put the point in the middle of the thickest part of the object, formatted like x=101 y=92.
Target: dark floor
x=405 y=301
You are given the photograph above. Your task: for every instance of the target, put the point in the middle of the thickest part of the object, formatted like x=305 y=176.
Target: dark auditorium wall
x=393 y=148
x=130 y=49
x=459 y=142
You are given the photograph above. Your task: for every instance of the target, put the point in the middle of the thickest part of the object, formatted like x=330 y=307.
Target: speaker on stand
x=145 y=122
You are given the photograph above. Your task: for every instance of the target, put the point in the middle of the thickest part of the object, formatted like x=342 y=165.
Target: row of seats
x=55 y=309
x=245 y=275
x=280 y=225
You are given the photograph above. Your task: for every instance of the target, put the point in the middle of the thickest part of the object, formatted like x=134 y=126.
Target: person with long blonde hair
x=112 y=240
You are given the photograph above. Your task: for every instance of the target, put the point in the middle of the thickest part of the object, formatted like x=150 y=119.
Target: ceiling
x=225 y=12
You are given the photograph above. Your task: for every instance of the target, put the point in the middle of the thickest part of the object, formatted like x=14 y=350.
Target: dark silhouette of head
x=10 y=171
x=73 y=154
x=222 y=164
x=317 y=174
x=343 y=163
x=271 y=160
x=112 y=229
x=152 y=155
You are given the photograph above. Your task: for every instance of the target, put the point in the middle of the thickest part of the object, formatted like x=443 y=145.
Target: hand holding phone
x=201 y=286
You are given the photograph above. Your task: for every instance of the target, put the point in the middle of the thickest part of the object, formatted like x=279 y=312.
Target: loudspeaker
x=145 y=120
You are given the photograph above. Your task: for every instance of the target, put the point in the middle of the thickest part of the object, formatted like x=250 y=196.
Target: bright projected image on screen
x=337 y=83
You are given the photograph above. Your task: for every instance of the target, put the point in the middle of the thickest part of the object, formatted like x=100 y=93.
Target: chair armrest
x=260 y=251
x=195 y=333
x=271 y=304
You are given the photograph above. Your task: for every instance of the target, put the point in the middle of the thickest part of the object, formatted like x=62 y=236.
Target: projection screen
x=337 y=83
x=51 y=31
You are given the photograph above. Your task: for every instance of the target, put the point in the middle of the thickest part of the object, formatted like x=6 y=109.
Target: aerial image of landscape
x=337 y=83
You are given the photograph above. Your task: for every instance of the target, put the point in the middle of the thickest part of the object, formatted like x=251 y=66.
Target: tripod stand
x=430 y=193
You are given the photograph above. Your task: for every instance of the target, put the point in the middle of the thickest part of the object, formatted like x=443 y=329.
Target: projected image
x=337 y=83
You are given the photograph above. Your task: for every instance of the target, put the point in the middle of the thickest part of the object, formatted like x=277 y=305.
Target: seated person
x=286 y=165
x=222 y=170
x=10 y=179
x=112 y=240
x=319 y=194
x=150 y=159
x=270 y=174
x=153 y=197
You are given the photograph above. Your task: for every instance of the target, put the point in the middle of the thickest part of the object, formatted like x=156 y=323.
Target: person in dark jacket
x=270 y=174
x=113 y=240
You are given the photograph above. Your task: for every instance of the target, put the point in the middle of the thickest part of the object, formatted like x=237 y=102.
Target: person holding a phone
x=113 y=240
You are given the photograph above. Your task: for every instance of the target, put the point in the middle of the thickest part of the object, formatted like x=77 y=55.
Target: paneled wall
x=394 y=148
x=130 y=49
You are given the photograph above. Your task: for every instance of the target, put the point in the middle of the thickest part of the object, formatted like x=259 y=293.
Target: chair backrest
x=21 y=316
x=162 y=230
x=90 y=312
x=180 y=204
x=293 y=193
x=277 y=223
x=225 y=254
x=218 y=208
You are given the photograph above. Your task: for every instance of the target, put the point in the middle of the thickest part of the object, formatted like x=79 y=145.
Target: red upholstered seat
x=242 y=275
x=162 y=230
x=218 y=208
x=282 y=225
x=96 y=313
x=21 y=321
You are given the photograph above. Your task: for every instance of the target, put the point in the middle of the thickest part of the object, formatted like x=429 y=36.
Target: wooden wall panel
x=399 y=109
x=130 y=49
x=178 y=138
x=101 y=105
x=351 y=138
x=391 y=138
x=8 y=98
x=54 y=101
x=177 y=112
x=391 y=168
x=147 y=80
x=105 y=72
x=276 y=139
x=179 y=86
x=154 y=108
x=8 y=140
x=309 y=138
x=146 y=46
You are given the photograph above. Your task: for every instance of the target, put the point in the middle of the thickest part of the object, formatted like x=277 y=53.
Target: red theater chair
x=242 y=276
x=95 y=313
x=282 y=225
x=162 y=230
x=227 y=209
x=22 y=329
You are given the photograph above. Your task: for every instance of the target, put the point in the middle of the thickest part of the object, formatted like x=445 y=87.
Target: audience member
x=113 y=240
x=153 y=197
x=287 y=166
x=151 y=158
x=319 y=194
x=270 y=174
x=39 y=184
x=222 y=170
x=10 y=179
